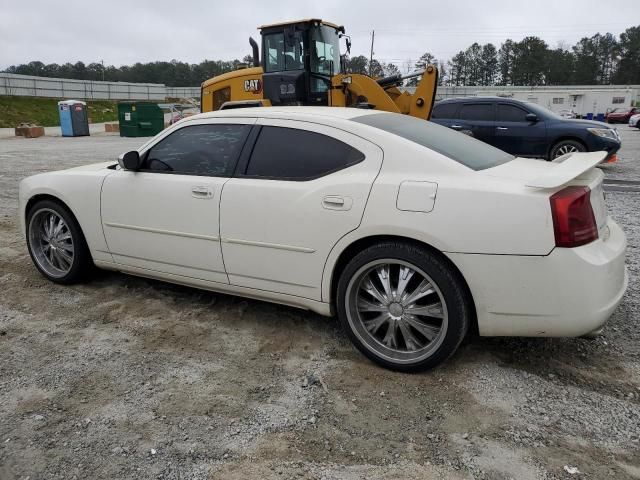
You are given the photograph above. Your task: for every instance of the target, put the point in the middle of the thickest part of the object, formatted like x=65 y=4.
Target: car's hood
x=92 y=167
x=574 y=122
x=542 y=174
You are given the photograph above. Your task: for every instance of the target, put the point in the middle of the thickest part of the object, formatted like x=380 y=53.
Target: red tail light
x=573 y=220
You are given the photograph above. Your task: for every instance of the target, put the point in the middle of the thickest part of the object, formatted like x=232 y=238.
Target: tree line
x=596 y=60
x=172 y=74
x=601 y=59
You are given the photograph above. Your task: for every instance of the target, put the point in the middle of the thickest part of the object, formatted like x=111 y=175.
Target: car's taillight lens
x=573 y=220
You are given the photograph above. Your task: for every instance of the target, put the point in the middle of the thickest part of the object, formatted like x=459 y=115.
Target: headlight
x=604 y=132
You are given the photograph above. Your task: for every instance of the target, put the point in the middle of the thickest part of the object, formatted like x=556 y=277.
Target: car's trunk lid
x=540 y=174
x=550 y=177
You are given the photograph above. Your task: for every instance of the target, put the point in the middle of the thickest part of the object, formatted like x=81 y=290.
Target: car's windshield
x=457 y=146
x=325 y=50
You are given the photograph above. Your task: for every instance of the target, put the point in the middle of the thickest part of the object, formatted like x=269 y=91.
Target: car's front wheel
x=566 y=146
x=403 y=306
x=56 y=243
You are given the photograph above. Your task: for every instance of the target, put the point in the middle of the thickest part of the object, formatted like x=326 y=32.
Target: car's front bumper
x=598 y=144
x=568 y=293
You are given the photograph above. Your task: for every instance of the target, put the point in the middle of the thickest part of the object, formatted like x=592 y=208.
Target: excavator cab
x=299 y=61
x=301 y=65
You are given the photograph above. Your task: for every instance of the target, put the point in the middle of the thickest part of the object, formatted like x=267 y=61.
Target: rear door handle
x=456 y=127
x=201 y=191
x=336 y=202
x=502 y=128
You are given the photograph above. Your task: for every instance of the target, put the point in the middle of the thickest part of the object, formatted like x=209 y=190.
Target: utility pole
x=102 y=61
x=373 y=36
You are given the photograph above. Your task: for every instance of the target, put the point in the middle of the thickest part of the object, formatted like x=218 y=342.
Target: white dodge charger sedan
x=409 y=232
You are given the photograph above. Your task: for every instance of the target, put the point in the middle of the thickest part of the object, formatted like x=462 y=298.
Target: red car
x=621 y=115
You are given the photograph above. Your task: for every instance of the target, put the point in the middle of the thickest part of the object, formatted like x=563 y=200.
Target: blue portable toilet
x=74 y=121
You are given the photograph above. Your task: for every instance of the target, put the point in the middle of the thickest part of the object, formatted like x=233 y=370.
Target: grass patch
x=44 y=111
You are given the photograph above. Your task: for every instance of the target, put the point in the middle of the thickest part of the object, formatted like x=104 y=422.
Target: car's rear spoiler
x=564 y=169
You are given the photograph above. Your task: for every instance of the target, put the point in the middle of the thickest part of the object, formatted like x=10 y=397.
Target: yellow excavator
x=301 y=65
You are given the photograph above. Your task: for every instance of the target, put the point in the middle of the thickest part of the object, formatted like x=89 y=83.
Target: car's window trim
x=244 y=140
x=241 y=171
x=247 y=151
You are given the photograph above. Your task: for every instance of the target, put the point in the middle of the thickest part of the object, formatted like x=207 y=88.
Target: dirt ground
x=124 y=377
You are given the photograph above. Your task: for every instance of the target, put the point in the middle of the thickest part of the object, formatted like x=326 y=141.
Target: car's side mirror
x=531 y=117
x=130 y=160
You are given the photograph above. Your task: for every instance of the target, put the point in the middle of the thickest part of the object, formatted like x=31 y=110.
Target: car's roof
x=479 y=99
x=320 y=113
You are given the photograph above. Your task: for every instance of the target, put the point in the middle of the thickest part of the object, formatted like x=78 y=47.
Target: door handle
x=456 y=127
x=336 y=202
x=200 y=191
x=502 y=128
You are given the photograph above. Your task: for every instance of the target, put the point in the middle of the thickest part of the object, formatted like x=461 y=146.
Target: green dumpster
x=140 y=119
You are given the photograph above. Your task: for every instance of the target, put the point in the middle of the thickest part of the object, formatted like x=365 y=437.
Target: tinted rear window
x=292 y=154
x=457 y=146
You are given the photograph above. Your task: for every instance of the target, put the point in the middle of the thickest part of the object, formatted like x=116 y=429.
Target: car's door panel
x=277 y=234
x=154 y=221
x=168 y=222
x=516 y=135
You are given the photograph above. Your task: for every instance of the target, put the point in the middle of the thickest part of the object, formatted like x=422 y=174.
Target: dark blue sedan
x=524 y=129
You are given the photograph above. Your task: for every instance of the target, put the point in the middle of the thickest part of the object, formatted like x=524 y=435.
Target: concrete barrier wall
x=182 y=92
x=25 y=85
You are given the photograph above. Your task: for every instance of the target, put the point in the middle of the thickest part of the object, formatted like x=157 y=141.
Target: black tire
x=449 y=288
x=569 y=145
x=81 y=262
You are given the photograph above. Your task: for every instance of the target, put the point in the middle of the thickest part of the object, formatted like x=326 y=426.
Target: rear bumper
x=568 y=293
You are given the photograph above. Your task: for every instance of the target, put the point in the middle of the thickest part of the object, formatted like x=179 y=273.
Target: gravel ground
x=130 y=378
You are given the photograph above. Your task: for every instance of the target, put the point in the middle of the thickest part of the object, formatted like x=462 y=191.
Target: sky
x=124 y=32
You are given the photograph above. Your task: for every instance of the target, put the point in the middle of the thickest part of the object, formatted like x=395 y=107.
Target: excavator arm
x=356 y=90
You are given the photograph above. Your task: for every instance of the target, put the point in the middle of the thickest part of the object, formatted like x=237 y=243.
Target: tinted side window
x=477 y=111
x=292 y=154
x=199 y=150
x=510 y=113
x=445 y=110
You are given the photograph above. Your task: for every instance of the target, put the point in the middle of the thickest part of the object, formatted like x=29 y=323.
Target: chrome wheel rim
x=564 y=149
x=51 y=242
x=396 y=310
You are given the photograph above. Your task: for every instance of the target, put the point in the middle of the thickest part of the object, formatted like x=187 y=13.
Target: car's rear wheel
x=56 y=243
x=566 y=146
x=403 y=306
